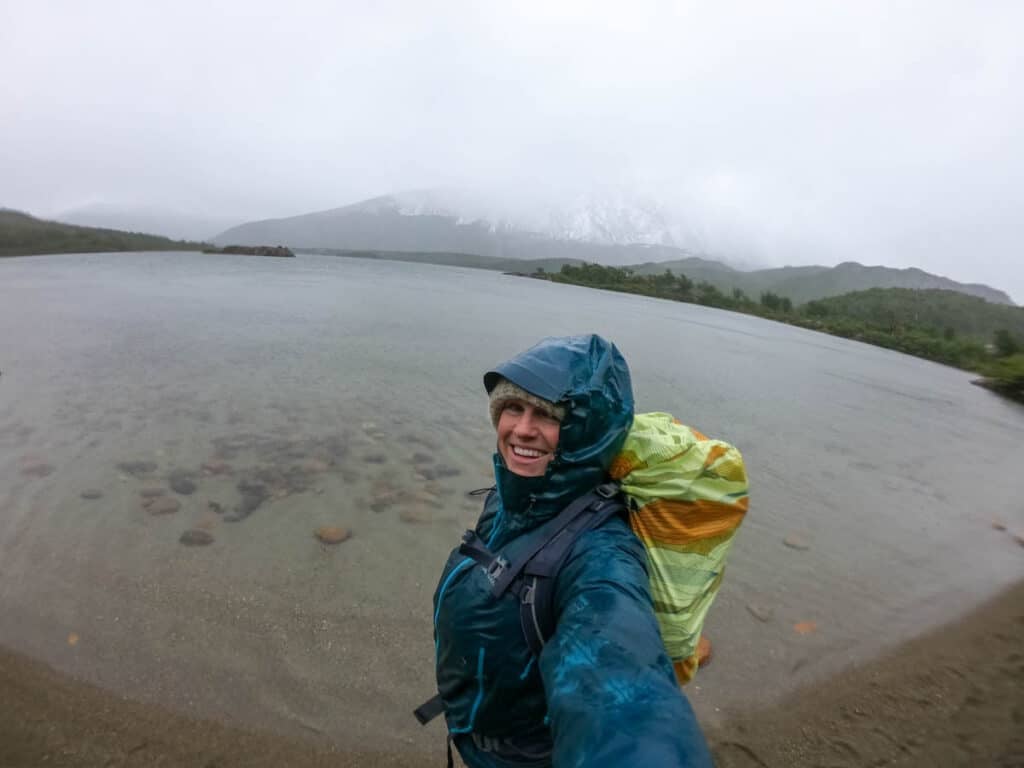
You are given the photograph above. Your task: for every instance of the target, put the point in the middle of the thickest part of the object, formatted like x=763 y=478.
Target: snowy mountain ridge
x=606 y=218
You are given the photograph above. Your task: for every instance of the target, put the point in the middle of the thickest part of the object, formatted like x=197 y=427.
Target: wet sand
x=954 y=697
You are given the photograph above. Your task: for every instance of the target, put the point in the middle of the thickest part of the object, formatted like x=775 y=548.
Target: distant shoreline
x=1002 y=374
x=254 y=250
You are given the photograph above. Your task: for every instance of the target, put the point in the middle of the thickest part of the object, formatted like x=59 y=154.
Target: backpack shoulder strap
x=537 y=591
x=565 y=526
x=532 y=573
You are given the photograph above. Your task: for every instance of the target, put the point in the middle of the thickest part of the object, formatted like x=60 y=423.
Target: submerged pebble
x=441 y=470
x=152 y=492
x=181 y=482
x=32 y=467
x=760 y=612
x=217 y=467
x=195 y=537
x=137 y=468
x=418 y=516
x=332 y=534
x=91 y=494
x=795 y=541
x=162 y=505
x=805 y=627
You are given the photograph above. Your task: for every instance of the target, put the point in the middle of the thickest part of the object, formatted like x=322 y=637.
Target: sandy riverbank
x=954 y=697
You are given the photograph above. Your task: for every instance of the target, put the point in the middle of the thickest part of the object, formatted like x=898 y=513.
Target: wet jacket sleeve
x=613 y=700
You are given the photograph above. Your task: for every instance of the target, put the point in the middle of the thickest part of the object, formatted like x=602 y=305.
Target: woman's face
x=527 y=438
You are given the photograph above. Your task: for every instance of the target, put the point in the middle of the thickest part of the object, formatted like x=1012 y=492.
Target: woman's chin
x=527 y=467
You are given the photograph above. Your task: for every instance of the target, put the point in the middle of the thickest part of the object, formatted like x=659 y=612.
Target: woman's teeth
x=529 y=453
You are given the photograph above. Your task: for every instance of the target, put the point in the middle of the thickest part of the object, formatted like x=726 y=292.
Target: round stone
x=332 y=534
x=163 y=505
x=196 y=537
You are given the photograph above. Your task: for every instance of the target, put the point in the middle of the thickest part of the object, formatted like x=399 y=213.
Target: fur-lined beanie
x=505 y=390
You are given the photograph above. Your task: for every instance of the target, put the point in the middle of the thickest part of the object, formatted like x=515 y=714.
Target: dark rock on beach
x=151 y=492
x=196 y=537
x=91 y=494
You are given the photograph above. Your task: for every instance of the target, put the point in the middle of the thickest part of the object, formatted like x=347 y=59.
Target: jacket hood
x=589 y=376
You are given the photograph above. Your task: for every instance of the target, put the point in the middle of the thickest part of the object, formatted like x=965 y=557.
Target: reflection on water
x=229 y=484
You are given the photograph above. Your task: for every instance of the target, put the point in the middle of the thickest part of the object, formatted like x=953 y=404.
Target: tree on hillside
x=1006 y=344
x=776 y=303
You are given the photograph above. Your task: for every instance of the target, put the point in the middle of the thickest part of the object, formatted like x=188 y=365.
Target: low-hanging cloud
x=782 y=133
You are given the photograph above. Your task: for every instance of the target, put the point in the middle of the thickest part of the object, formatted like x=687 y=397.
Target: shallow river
x=280 y=395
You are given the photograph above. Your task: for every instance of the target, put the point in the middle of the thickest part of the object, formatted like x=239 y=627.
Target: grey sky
x=784 y=132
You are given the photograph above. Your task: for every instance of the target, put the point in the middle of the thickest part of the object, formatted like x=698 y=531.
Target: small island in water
x=253 y=250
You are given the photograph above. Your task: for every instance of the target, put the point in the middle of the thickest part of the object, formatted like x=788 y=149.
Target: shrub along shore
x=943 y=326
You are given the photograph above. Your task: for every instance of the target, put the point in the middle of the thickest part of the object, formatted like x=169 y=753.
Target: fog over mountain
x=434 y=227
x=783 y=133
x=157 y=221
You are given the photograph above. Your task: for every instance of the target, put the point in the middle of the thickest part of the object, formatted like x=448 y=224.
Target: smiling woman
x=595 y=687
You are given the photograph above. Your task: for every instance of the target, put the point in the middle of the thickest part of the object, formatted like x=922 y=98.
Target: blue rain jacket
x=603 y=693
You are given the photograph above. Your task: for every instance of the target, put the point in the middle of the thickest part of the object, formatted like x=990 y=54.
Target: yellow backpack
x=687 y=495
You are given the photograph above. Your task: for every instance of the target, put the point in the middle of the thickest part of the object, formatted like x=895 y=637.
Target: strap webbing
x=536 y=607
x=547 y=534
x=429 y=709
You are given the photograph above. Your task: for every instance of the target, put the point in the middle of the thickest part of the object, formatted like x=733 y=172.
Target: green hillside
x=802 y=284
x=941 y=325
x=24 y=235
x=935 y=310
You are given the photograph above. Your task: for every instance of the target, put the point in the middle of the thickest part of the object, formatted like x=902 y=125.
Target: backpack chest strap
x=547 y=545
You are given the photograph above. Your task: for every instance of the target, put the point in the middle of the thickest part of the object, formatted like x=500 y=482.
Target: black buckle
x=495 y=569
x=607 y=490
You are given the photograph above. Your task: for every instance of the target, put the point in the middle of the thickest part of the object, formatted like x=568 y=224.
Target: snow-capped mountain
x=608 y=218
x=456 y=221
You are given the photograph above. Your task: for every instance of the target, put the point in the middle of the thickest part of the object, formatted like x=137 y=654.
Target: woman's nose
x=526 y=424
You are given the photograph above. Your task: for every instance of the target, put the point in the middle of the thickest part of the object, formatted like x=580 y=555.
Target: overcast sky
x=784 y=132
